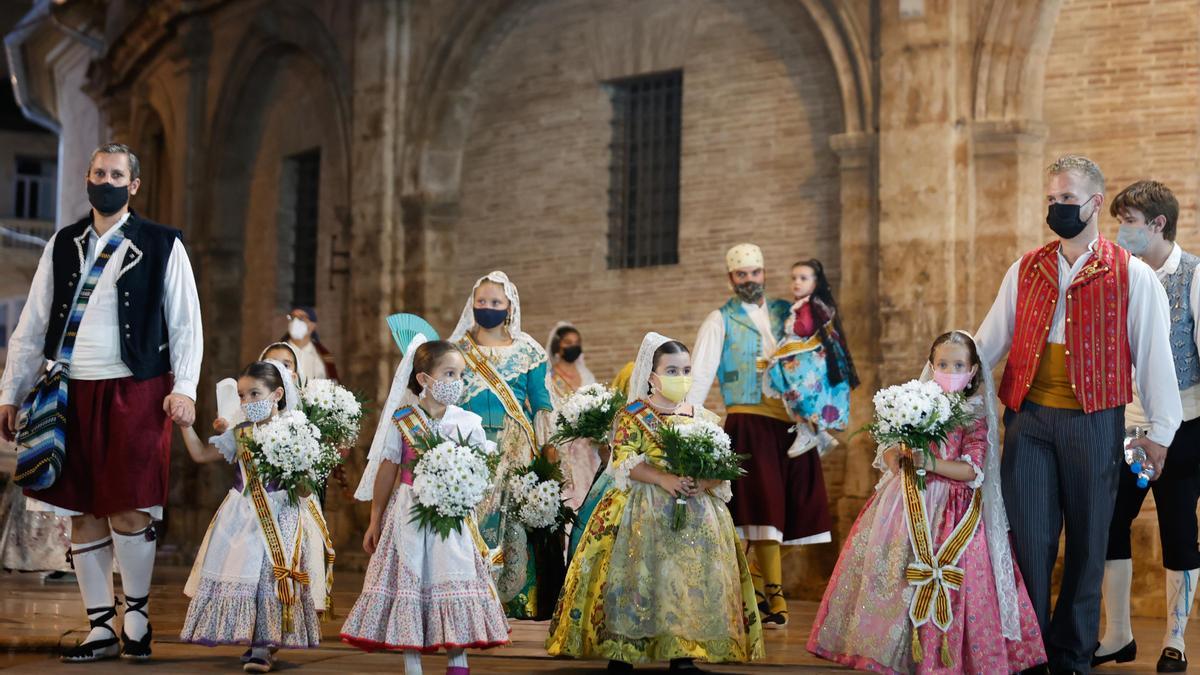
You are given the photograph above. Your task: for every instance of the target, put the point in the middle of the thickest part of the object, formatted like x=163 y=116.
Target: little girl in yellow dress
x=638 y=591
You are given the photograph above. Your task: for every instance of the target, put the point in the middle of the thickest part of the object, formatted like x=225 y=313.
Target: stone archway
x=283 y=96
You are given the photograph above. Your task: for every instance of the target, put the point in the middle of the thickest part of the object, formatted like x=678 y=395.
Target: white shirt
x=312 y=366
x=1149 y=328
x=97 y=354
x=710 y=343
x=1190 y=397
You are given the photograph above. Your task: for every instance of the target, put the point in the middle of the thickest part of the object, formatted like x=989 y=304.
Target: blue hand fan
x=405 y=327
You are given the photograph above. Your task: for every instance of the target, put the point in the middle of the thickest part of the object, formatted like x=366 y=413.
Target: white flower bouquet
x=700 y=450
x=536 y=499
x=334 y=410
x=288 y=452
x=916 y=415
x=450 y=479
x=588 y=414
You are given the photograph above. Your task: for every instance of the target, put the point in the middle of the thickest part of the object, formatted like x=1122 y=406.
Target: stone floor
x=36 y=618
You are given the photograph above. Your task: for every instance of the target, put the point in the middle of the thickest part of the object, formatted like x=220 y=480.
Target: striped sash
x=42 y=424
x=496 y=384
x=934 y=574
x=330 y=556
x=289 y=577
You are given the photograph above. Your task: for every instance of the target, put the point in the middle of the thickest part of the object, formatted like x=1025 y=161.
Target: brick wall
x=760 y=102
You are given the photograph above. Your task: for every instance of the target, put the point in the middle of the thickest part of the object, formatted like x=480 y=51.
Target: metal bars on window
x=643 y=196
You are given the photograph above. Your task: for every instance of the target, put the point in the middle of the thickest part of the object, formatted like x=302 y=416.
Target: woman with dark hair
x=812 y=370
x=568 y=372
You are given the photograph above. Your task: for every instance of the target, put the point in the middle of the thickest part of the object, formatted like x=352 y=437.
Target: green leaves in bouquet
x=427 y=516
x=697 y=456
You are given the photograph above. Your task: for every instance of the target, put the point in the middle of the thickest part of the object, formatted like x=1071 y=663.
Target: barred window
x=643 y=196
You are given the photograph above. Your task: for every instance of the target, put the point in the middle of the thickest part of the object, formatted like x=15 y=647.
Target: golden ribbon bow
x=280 y=573
x=935 y=575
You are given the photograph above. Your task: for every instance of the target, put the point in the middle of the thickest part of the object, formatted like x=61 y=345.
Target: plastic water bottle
x=1137 y=459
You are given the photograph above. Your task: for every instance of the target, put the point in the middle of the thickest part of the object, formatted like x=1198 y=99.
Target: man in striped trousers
x=1075 y=318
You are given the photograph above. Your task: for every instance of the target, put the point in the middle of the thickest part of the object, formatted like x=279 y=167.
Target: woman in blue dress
x=506 y=386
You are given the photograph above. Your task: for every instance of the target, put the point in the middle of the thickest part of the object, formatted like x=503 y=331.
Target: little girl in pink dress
x=881 y=607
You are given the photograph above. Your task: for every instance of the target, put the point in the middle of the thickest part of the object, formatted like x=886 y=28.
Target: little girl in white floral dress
x=422 y=592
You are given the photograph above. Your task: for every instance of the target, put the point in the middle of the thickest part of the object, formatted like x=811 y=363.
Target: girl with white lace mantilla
x=881 y=607
x=638 y=590
x=257 y=531
x=422 y=591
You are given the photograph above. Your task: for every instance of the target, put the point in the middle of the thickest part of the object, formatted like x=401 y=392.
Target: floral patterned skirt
x=423 y=592
x=230 y=606
x=863 y=619
x=638 y=591
x=803 y=381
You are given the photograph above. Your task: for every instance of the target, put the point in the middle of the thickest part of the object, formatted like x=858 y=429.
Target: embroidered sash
x=644 y=416
x=319 y=519
x=412 y=424
x=934 y=574
x=499 y=387
x=289 y=578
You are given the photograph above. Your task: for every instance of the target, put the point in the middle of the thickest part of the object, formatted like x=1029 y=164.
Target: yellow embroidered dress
x=638 y=591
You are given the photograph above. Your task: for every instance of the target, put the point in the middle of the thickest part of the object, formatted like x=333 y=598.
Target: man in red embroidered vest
x=1075 y=317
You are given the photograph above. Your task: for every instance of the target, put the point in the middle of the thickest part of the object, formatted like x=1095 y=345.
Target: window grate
x=307 y=168
x=643 y=196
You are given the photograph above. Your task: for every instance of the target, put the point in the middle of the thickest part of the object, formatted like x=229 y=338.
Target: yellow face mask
x=674 y=387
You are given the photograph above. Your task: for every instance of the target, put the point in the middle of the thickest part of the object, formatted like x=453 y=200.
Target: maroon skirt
x=118 y=447
x=780 y=497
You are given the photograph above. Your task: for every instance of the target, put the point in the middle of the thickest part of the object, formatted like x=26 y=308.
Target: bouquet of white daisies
x=588 y=413
x=917 y=415
x=287 y=451
x=334 y=410
x=700 y=450
x=450 y=479
x=536 y=499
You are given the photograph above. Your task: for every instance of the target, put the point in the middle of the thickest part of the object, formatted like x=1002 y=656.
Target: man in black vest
x=134 y=362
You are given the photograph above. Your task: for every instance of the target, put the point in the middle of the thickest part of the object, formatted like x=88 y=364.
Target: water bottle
x=1136 y=458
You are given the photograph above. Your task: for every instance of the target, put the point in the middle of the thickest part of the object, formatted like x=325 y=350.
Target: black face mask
x=750 y=291
x=490 y=318
x=107 y=198
x=1065 y=221
x=571 y=354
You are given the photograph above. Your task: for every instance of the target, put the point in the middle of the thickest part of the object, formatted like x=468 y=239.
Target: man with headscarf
x=782 y=499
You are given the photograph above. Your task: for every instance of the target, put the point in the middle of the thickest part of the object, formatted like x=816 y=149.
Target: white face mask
x=258 y=411
x=297 y=329
x=446 y=392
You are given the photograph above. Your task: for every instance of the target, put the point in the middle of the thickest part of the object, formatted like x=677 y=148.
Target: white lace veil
x=399 y=395
x=639 y=381
x=585 y=374
x=995 y=521
x=295 y=356
x=466 y=320
x=291 y=395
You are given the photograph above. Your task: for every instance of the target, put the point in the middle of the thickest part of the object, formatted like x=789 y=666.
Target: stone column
x=1009 y=217
x=923 y=179
x=858 y=300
